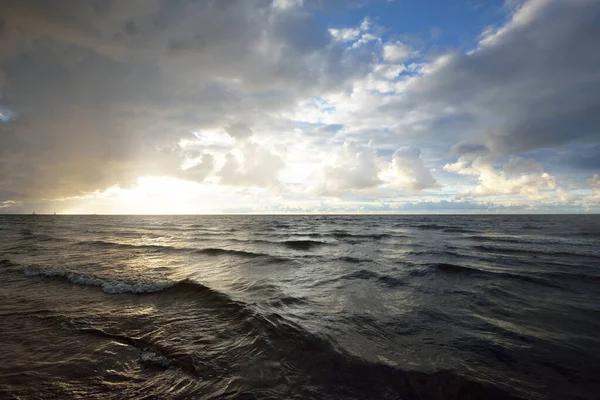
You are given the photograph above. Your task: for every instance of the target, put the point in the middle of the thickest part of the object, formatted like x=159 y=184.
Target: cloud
x=410 y=172
x=530 y=84
x=253 y=165
x=594 y=182
x=101 y=90
x=581 y=157
x=286 y=4
x=473 y=149
x=354 y=167
x=396 y=52
x=239 y=131
x=237 y=95
x=345 y=35
x=517 y=177
x=200 y=170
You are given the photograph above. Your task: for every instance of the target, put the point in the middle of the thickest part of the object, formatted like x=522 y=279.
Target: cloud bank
x=262 y=105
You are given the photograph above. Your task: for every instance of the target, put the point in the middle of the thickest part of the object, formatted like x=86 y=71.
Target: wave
x=528 y=241
x=375 y=236
x=126 y=234
x=151 y=353
x=150 y=357
x=209 y=229
x=286 y=301
x=302 y=244
x=435 y=253
x=107 y=286
x=40 y=237
x=368 y=275
x=308 y=234
x=588 y=234
x=335 y=369
x=6 y=263
x=117 y=287
x=322 y=365
x=331 y=371
x=458 y=230
x=584 y=277
x=436 y=227
x=433 y=269
x=494 y=239
x=430 y=227
x=532 y=227
x=239 y=253
x=306 y=244
x=529 y=252
x=211 y=251
x=353 y=260
x=115 y=245
x=454 y=269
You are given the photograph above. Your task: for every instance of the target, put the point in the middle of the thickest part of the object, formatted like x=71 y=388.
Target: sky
x=299 y=106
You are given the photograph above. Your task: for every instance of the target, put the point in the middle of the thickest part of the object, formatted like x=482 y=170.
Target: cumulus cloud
x=396 y=52
x=410 y=172
x=530 y=84
x=103 y=89
x=258 y=93
x=200 y=170
x=251 y=165
x=345 y=35
x=595 y=185
x=354 y=167
x=517 y=177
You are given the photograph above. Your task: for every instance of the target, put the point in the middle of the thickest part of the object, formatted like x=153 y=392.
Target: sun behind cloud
x=254 y=106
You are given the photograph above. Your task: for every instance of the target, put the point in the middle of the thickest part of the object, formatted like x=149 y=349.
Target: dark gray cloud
x=104 y=91
x=469 y=148
x=532 y=84
x=586 y=158
x=239 y=131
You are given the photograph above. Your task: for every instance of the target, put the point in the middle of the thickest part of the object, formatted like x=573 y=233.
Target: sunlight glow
x=153 y=195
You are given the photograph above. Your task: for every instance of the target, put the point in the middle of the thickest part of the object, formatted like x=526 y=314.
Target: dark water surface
x=280 y=307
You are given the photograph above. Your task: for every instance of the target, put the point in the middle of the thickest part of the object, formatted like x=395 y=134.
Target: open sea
x=297 y=307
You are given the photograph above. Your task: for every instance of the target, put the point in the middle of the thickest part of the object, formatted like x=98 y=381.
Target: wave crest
x=107 y=286
x=302 y=244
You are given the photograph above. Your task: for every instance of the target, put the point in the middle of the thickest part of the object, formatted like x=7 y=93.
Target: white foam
x=151 y=357
x=107 y=286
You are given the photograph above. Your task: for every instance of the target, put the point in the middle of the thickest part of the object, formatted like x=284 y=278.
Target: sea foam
x=107 y=286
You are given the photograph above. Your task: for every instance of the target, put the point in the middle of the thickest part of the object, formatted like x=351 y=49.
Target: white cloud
x=345 y=35
x=594 y=182
x=251 y=165
x=366 y=38
x=257 y=94
x=286 y=4
x=410 y=172
x=396 y=52
x=353 y=167
x=389 y=71
x=565 y=196
x=200 y=170
x=517 y=177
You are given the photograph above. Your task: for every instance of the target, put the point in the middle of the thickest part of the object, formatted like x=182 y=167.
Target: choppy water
x=413 y=307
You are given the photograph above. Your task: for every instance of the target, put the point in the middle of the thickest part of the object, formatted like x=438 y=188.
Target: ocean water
x=282 y=307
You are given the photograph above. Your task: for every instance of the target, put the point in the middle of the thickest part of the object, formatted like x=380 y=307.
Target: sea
x=300 y=307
